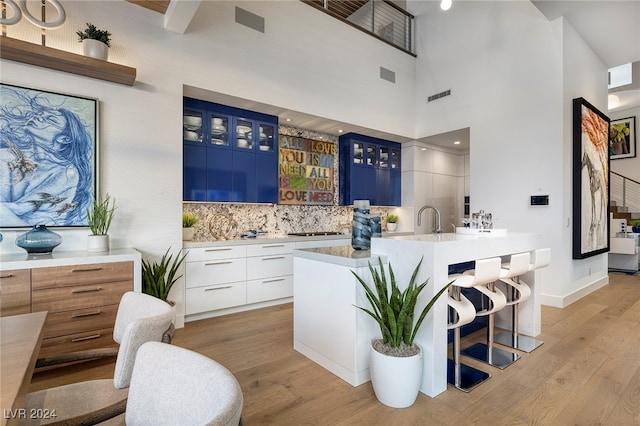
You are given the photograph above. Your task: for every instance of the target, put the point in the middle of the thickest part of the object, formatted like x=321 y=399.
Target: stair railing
x=625 y=191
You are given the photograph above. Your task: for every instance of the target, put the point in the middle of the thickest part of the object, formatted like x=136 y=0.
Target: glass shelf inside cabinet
x=358 y=153
x=243 y=134
x=267 y=138
x=219 y=133
x=192 y=126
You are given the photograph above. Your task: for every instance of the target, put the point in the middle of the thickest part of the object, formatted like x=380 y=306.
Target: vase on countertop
x=39 y=240
x=360 y=226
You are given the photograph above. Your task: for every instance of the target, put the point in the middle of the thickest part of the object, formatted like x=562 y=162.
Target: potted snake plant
x=188 y=222
x=159 y=277
x=396 y=361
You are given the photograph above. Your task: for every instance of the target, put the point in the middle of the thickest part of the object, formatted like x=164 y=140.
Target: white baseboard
x=564 y=301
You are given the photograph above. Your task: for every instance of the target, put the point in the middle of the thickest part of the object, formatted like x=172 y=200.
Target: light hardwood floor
x=586 y=373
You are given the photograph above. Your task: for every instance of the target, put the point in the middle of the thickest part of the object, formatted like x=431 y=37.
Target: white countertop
x=64 y=258
x=341 y=255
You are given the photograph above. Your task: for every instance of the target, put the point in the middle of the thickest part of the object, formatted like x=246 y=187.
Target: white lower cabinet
x=221 y=277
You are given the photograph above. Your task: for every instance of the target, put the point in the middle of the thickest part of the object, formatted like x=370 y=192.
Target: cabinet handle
x=272 y=281
x=7 y=276
x=219 y=249
x=87 y=269
x=88 y=290
x=82 y=339
x=86 y=314
x=217 y=288
x=273 y=245
x=224 y=262
x=273 y=258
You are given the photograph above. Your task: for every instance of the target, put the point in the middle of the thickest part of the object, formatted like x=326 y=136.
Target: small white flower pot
x=392 y=226
x=95 y=49
x=97 y=243
x=187 y=234
x=396 y=380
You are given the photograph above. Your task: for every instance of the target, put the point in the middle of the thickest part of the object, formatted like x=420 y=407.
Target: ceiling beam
x=179 y=15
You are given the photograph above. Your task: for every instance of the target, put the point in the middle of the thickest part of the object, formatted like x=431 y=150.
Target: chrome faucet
x=438 y=229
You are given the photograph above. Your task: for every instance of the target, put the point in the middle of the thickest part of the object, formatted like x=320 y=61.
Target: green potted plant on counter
x=396 y=362
x=99 y=217
x=95 y=42
x=392 y=222
x=188 y=221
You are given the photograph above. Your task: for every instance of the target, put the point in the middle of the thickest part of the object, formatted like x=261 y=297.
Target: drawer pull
x=217 y=288
x=7 y=276
x=87 y=269
x=219 y=249
x=273 y=258
x=82 y=339
x=88 y=290
x=224 y=262
x=272 y=281
x=86 y=314
x=273 y=245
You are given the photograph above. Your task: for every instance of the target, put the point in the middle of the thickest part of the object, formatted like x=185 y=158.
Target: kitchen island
x=324 y=279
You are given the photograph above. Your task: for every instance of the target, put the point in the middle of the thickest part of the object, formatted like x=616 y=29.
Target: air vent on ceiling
x=439 y=95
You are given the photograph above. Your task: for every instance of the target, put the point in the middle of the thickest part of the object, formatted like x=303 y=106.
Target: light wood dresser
x=79 y=290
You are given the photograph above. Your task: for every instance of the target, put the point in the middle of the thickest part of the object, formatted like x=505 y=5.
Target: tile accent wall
x=228 y=221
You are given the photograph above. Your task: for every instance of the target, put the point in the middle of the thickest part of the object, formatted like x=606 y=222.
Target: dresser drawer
x=15 y=292
x=215 y=253
x=269 y=249
x=67 y=276
x=210 y=298
x=212 y=272
x=78 y=297
x=77 y=342
x=269 y=289
x=80 y=321
x=269 y=266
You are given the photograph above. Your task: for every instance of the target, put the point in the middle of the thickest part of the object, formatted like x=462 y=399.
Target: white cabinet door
x=269 y=289
x=269 y=266
x=267 y=249
x=215 y=253
x=210 y=272
x=210 y=298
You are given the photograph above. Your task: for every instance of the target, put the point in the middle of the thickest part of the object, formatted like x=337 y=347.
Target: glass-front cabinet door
x=370 y=155
x=384 y=157
x=358 y=153
x=395 y=159
x=244 y=134
x=219 y=129
x=267 y=137
x=192 y=125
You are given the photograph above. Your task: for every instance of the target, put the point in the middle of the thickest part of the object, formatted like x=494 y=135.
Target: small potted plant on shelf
x=159 y=277
x=392 y=222
x=95 y=42
x=188 y=221
x=99 y=217
x=396 y=362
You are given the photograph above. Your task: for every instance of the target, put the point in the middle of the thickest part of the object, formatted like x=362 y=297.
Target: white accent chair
x=486 y=271
x=141 y=318
x=176 y=386
x=517 y=292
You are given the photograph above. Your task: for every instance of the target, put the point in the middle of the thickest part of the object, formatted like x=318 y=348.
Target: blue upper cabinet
x=229 y=154
x=369 y=170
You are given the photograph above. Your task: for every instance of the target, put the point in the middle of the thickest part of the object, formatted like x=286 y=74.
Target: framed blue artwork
x=48 y=157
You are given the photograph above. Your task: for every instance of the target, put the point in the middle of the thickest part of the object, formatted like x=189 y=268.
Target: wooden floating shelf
x=47 y=57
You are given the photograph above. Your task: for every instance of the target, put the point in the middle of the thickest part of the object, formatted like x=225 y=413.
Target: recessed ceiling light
x=445 y=4
x=614 y=101
x=423 y=149
x=288 y=119
x=456 y=143
x=340 y=131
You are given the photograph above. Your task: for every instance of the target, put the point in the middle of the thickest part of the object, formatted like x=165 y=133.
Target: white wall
x=508 y=69
x=305 y=61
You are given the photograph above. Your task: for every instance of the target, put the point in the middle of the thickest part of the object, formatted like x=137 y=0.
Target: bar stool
x=518 y=292
x=459 y=375
x=486 y=352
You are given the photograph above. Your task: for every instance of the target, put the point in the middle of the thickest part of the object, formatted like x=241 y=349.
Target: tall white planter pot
x=396 y=380
x=95 y=49
x=97 y=243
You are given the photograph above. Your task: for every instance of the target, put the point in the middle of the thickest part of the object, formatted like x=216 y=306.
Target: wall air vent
x=249 y=19
x=439 y=95
x=388 y=75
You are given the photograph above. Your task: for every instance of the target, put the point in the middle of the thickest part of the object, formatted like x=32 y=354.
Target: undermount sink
x=312 y=234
